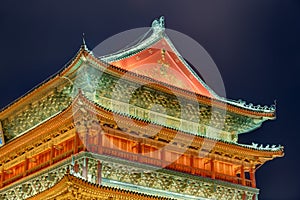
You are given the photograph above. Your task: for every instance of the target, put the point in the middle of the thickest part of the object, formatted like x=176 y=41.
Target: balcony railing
x=173 y=166
x=12 y=179
x=62 y=156
x=142 y=159
x=37 y=168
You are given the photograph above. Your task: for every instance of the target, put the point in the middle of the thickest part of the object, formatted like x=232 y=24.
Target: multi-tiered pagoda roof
x=143 y=97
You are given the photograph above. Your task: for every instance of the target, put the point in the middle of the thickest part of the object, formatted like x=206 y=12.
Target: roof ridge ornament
x=268 y=147
x=158 y=24
x=274 y=105
x=83 y=39
x=84 y=46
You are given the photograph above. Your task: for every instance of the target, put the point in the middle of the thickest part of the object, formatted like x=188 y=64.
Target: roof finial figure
x=273 y=107
x=159 y=23
x=162 y=21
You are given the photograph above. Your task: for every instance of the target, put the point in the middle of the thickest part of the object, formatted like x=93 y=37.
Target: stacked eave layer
x=21 y=143
x=85 y=56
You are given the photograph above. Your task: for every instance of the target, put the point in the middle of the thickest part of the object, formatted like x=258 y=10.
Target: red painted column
x=252 y=177
x=51 y=154
x=2 y=178
x=86 y=140
x=243 y=175
x=212 y=165
x=25 y=167
x=163 y=157
x=139 y=151
x=85 y=168
x=192 y=164
x=254 y=197
x=99 y=172
x=76 y=140
x=99 y=143
x=244 y=196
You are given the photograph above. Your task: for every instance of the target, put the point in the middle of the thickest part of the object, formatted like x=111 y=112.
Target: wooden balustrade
x=225 y=177
x=202 y=172
x=62 y=156
x=150 y=161
x=37 y=168
x=12 y=179
x=248 y=183
x=120 y=154
x=173 y=166
x=137 y=158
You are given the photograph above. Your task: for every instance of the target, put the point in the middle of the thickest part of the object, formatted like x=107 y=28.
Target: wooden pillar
x=163 y=157
x=254 y=197
x=99 y=172
x=252 y=177
x=51 y=154
x=25 y=166
x=192 y=160
x=76 y=143
x=99 y=142
x=86 y=140
x=139 y=151
x=212 y=165
x=2 y=178
x=85 y=168
x=163 y=154
x=243 y=175
x=244 y=196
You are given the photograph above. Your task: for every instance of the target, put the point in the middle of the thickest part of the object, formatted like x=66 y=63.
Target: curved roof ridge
x=157 y=29
x=243 y=104
x=83 y=48
x=212 y=92
x=158 y=33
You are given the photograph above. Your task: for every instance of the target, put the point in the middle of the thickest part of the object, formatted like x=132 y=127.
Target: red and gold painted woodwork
x=59 y=138
x=161 y=63
x=119 y=72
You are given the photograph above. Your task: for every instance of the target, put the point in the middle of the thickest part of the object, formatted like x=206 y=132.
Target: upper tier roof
x=156 y=57
x=149 y=51
x=119 y=64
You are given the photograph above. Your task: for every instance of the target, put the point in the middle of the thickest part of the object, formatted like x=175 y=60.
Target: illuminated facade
x=116 y=127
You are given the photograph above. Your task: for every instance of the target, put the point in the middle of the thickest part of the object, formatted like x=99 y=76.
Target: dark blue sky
x=254 y=43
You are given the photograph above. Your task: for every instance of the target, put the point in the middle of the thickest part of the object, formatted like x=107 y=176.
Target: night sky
x=254 y=43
